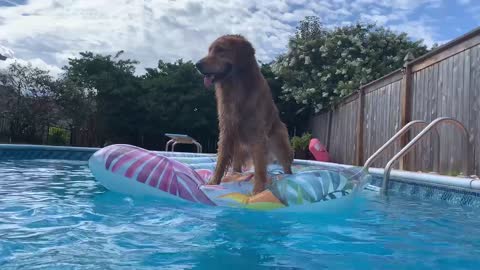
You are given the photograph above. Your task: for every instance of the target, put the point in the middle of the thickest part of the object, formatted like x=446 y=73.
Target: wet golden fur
x=249 y=122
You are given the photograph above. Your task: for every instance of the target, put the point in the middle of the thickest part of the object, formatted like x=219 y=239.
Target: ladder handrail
x=408 y=147
x=399 y=133
x=173 y=143
x=168 y=144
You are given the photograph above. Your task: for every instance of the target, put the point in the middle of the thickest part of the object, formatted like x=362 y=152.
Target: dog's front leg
x=260 y=159
x=239 y=157
x=225 y=153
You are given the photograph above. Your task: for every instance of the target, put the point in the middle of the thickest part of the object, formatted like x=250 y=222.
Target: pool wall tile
x=450 y=195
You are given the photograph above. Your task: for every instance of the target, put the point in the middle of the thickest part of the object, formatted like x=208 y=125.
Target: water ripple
x=54 y=215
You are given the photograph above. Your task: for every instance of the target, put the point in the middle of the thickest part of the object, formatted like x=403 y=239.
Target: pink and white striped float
x=138 y=172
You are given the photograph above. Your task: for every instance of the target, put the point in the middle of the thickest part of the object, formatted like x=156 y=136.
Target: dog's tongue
x=208 y=80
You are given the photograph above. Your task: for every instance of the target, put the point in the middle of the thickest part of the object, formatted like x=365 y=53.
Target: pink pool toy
x=318 y=150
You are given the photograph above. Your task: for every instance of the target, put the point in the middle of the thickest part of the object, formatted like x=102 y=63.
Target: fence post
x=406 y=105
x=360 y=126
x=329 y=129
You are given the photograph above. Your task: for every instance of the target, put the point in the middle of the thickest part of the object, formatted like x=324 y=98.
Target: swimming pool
x=54 y=215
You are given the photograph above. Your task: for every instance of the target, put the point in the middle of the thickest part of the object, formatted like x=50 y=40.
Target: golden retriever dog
x=249 y=122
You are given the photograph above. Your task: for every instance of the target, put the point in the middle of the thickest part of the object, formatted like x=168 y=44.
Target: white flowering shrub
x=323 y=65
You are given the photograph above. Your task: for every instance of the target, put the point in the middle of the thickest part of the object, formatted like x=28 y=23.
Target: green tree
x=29 y=101
x=323 y=64
x=176 y=101
x=78 y=109
x=292 y=114
x=138 y=110
x=116 y=89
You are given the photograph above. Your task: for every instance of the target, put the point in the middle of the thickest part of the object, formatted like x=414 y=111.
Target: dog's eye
x=220 y=50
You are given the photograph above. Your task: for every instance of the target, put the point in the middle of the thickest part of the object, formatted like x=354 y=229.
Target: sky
x=46 y=33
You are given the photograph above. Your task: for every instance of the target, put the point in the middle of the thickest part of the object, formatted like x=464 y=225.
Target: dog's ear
x=245 y=53
x=249 y=50
x=247 y=47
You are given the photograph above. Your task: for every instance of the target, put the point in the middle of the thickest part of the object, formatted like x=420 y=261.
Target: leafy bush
x=323 y=65
x=301 y=143
x=58 y=136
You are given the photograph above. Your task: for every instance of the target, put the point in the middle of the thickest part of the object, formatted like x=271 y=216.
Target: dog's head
x=227 y=55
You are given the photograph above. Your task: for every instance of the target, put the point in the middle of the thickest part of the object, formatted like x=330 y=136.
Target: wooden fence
x=444 y=82
x=4 y=129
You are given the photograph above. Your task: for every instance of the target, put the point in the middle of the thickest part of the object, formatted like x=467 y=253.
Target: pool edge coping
x=466 y=183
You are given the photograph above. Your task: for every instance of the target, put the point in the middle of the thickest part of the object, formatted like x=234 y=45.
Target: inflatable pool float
x=318 y=150
x=138 y=172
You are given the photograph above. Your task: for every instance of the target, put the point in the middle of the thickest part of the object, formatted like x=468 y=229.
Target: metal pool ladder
x=414 y=141
x=402 y=131
x=181 y=139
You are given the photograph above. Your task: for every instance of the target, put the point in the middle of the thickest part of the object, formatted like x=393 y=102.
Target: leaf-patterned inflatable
x=135 y=171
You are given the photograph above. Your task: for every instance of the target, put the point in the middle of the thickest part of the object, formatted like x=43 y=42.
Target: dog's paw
x=258 y=188
x=214 y=181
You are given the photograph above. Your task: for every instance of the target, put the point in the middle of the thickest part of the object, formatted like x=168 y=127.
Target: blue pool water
x=54 y=215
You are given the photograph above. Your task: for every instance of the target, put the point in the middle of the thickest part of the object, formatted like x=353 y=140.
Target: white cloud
x=376 y=18
x=417 y=30
x=55 y=71
x=35 y=62
x=398 y=4
x=149 y=30
x=146 y=30
x=6 y=51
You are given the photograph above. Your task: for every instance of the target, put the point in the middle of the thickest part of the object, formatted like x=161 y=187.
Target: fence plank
x=406 y=105
x=389 y=131
x=458 y=103
x=398 y=117
x=426 y=154
x=475 y=104
x=441 y=110
x=465 y=93
x=433 y=113
x=412 y=161
x=359 y=158
x=431 y=104
x=446 y=133
x=319 y=126
x=421 y=147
